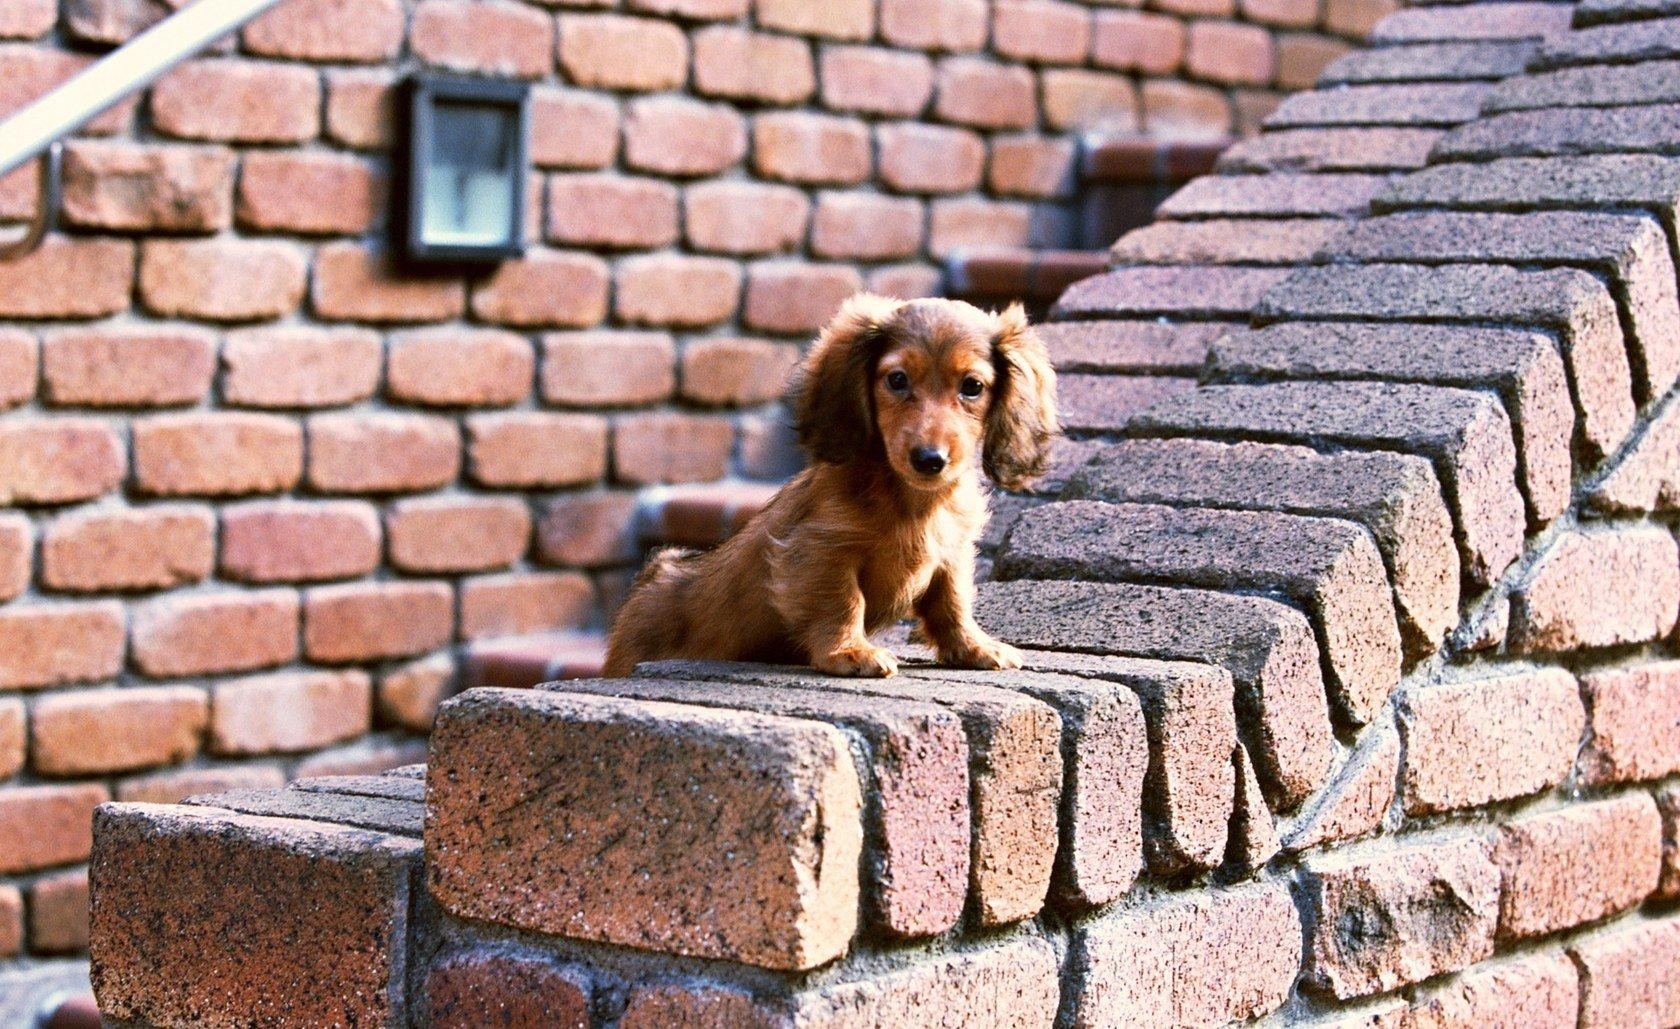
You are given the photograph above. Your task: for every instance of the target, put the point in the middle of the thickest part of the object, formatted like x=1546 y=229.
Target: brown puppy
x=899 y=406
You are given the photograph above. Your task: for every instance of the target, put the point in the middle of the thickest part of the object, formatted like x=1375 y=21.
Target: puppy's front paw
x=984 y=653
x=867 y=661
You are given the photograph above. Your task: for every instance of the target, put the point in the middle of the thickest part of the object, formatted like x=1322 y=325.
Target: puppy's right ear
x=830 y=398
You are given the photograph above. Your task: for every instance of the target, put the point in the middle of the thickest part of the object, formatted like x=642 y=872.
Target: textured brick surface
x=150 y=548
x=1274 y=196
x=382 y=452
x=1635 y=719
x=53 y=644
x=299 y=367
x=536 y=449
x=1578 y=864
x=1517 y=20
x=1593 y=86
x=1482 y=60
x=287 y=711
x=358 y=621
x=478 y=988
x=223 y=632
x=516 y=603
x=125 y=187
x=1175 y=290
x=1285 y=241
x=1598 y=589
x=1541 y=990
x=457 y=534
x=1647 y=476
x=1656 y=39
x=292 y=541
x=1126 y=346
x=1437 y=105
x=1624 y=975
x=1357 y=798
x=48 y=825
x=116 y=730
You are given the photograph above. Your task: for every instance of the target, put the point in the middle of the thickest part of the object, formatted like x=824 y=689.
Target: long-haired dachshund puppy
x=899 y=405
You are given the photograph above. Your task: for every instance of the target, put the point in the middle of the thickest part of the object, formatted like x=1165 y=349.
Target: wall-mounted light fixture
x=463 y=169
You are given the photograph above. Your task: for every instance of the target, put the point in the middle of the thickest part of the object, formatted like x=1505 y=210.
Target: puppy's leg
x=945 y=613
x=835 y=639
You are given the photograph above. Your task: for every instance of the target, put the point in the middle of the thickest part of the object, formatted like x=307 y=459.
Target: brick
x=1598 y=589
x=19 y=367
x=459 y=367
x=1254 y=836
x=572 y=129
x=58 y=460
x=1302 y=58
x=801 y=802
x=479 y=988
x=362 y=621
x=1029 y=166
x=491 y=37
x=11 y=921
x=1356 y=18
x=907 y=281
x=1011 y=984
x=116 y=730
x=1430 y=105
x=383 y=814
x=875 y=80
x=53 y=644
x=671 y=135
x=372 y=756
x=1647 y=476
x=300 y=366
x=534 y=450
x=1540 y=990
x=1297 y=14
x=1534 y=183
x=448 y=534
x=594 y=369
x=1171 y=107
x=32 y=71
x=1599 y=12
x=221 y=279
x=338 y=895
x=217 y=454
x=736 y=372
x=796 y=146
x=68 y=278
x=505 y=605
x=174 y=786
x=1128 y=346
x=29 y=20
x=221 y=632
x=295 y=541
x=831 y=19
x=308 y=193
x=382 y=452
x=866 y=226
x=1138 y=41
x=48 y=825
x=288 y=711
x=677 y=290
x=127 y=367
x=1251 y=107
x=1668 y=805
x=671 y=447
x=741 y=65
x=145 y=548
x=1473 y=742
x=1332 y=150
x=329 y=30
x=588 y=530
x=1576 y=865
x=956 y=26
x=353 y=284
x=918 y=158
x=1483 y=22
x=1207 y=958
x=1042 y=31
x=1358 y=797
x=1634 y=726
x=1074 y=98
x=959 y=223
x=1222 y=240
x=1230 y=53
x=699 y=10
x=976 y=92
x=616 y=52
x=611 y=211
x=12 y=737
x=361 y=109
x=1624 y=978
x=58 y=913
x=231 y=100
x=744 y=218
x=408 y=695
x=127 y=187
x=1652 y=40
x=1274 y=196
x=793 y=298
x=1181 y=290
x=1488 y=60
x=17 y=550
x=1591 y=86
x=1567 y=131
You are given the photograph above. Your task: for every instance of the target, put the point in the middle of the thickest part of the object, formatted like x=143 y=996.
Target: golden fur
x=862 y=538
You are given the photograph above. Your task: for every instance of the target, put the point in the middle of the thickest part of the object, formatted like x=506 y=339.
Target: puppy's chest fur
x=898 y=568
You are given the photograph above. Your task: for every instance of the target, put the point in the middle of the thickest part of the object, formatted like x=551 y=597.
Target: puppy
x=899 y=405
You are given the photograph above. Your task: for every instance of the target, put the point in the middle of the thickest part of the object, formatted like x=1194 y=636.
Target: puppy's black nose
x=927 y=460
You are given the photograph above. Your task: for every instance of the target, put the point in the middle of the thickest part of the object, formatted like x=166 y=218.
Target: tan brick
x=744 y=217
x=1171 y=107
x=1635 y=719
x=1540 y=990
x=68 y=278
x=671 y=447
x=58 y=460
x=58 y=913
x=907 y=281
x=959 y=223
x=225 y=280
x=919 y=158
x=875 y=80
x=289 y=711
x=116 y=730
x=31 y=71
x=1579 y=864
x=1029 y=166
x=866 y=226
x=232 y=100
x=1078 y=99
x=456 y=367
x=52 y=644
x=736 y=372
x=612 y=51
x=700 y=10
x=974 y=91
x=13 y=737
x=535 y=450
x=1647 y=476
x=952 y=25
x=611 y=211
x=1229 y=52
x=299 y=541
x=125 y=549
x=1302 y=57
x=130 y=187
x=588 y=530
x=572 y=129
x=353 y=284
x=506 y=605
x=794 y=298
x=1357 y=798
x=28 y=19
x=1138 y=41
x=678 y=290
x=329 y=30
x=1598 y=589
x=300 y=366
x=448 y=534
x=811 y=148
x=138 y=366
x=832 y=19
x=671 y=135
x=361 y=108
x=737 y=64
x=19 y=367
x=11 y=921
x=174 y=786
x=1043 y=31
x=309 y=193
x=47 y=825
x=1299 y=14
x=17 y=551
x=489 y=37
x=1626 y=975
x=216 y=632
x=487 y=988
x=217 y=454
x=409 y=695
x=603 y=368
x=363 y=621
x=382 y=452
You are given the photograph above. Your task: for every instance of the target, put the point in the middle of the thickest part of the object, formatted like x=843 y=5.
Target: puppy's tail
x=652 y=623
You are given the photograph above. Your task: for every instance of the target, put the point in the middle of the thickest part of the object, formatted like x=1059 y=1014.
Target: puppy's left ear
x=1021 y=422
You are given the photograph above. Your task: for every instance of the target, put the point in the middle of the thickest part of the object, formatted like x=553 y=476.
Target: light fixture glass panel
x=470 y=178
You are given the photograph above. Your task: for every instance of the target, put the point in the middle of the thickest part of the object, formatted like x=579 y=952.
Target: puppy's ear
x=830 y=396
x=1021 y=422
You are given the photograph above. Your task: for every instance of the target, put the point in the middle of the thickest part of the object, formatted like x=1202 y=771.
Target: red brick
x=299 y=541
x=866 y=226
x=58 y=913
x=1647 y=476
x=974 y=91
x=811 y=148
x=873 y=80
x=309 y=193
x=300 y=366
x=29 y=72
x=172 y=787
x=68 y=278
x=116 y=730
x=489 y=37
x=1578 y=864
x=505 y=605
x=1470 y=743
x=612 y=51
x=744 y=217
x=611 y=211
x=977 y=223
x=12 y=737
x=907 y=281
x=129 y=187
x=471 y=990
x=952 y=25
x=52 y=644
x=141 y=366
x=361 y=109
x=572 y=129
x=1598 y=589
x=1078 y=99
x=588 y=530
x=28 y=19
x=1172 y=108
x=671 y=447
x=17 y=549
x=1138 y=41
x=1302 y=57
x=1539 y=991
x=736 y=372
x=58 y=460
x=231 y=100
x=1358 y=798
x=1356 y=18
x=675 y=289
x=672 y=135
x=353 y=284
x=221 y=279
x=11 y=921
x=605 y=368
x=1029 y=166
x=329 y=30
x=217 y=454
x=217 y=632
x=793 y=298
x=453 y=367
x=363 y=621
x=19 y=367
x=1229 y=53
x=700 y=10
x=737 y=64
x=1627 y=975
x=1043 y=31
x=408 y=695
x=145 y=548
x=536 y=450
x=919 y=158
x=1668 y=805
x=448 y=534
x=289 y=711
x=833 y=19
x=381 y=452
x=1297 y=14
x=544 y=288
x=47 y=825
x=1635 y=718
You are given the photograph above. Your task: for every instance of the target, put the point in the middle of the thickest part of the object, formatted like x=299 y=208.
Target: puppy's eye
x=971 y=388
x=897 y=381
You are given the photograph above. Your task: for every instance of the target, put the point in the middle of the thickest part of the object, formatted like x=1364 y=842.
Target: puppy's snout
x=927 y=460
